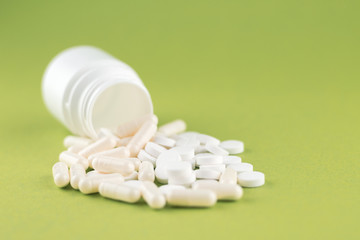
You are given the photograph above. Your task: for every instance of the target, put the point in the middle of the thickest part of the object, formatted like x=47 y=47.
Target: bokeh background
x=283 y=76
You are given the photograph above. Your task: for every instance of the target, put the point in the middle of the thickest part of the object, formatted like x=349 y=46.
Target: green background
x=283 y=76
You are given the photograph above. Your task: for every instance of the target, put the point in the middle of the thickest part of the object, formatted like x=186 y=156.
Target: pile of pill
x=164 y=165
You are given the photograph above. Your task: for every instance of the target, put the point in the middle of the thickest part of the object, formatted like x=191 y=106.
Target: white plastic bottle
x=87 y=89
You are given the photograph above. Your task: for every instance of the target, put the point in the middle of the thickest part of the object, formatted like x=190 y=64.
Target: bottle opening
x=119 y=103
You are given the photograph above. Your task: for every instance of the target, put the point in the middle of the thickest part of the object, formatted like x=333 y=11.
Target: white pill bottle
x=86 y=89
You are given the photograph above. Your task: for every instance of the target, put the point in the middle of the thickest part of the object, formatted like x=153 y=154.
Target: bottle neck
x=95 y=94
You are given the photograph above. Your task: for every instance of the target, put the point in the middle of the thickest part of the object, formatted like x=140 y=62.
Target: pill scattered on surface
x=231 y=159
x=164 y=141
x=99 y=145
x=142 y=137
x=119 y=192
x=216 y=167
x=241 y=167
x=113 y=165
x=207 y=174
x=172 y=128
x=152 y=195
x=146 y=172
x=70 y=141
x=129 y=129
x=90 y=185
x=61 y=174
x=191 y=198
x=119 y=152
x=70 y=158
x=233 y=146
x=154 y=149
x=215 y=149
x=129 y=161
x=206 y=139
x=228 y=176
x=77 y=173
x=223 y=191
x=251 y=179
x=144 y=156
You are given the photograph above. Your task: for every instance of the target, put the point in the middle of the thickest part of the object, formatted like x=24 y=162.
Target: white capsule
x=130 y=128
x=119 y=192
x=144 y=156
x=134 y=184
x=216 y=167
x=191 y=198
x=152 y=195
x=70 y=141
x=70 y=158
x=154 y=149
x=105 y=132
x=61 y=174
x=100 y=145
x=251 y=179
x=229 y=176
x=133 y=176
x=223 y=191
x=207 y=174
x=113 y=165
x=146 y=172
x=142 y=137
x=164 y=141
x=94 y=173
x=166 y=189
x=122 y=142
x=77 y=173
x=91 y=184
x=172 y=128
x=233 y=146
x=241 y=167
x=75 y=149
x=206 y=139
x=119 y=152
x=186 y=152
x=208 y=159
x=215 y=149
x=231 y=160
